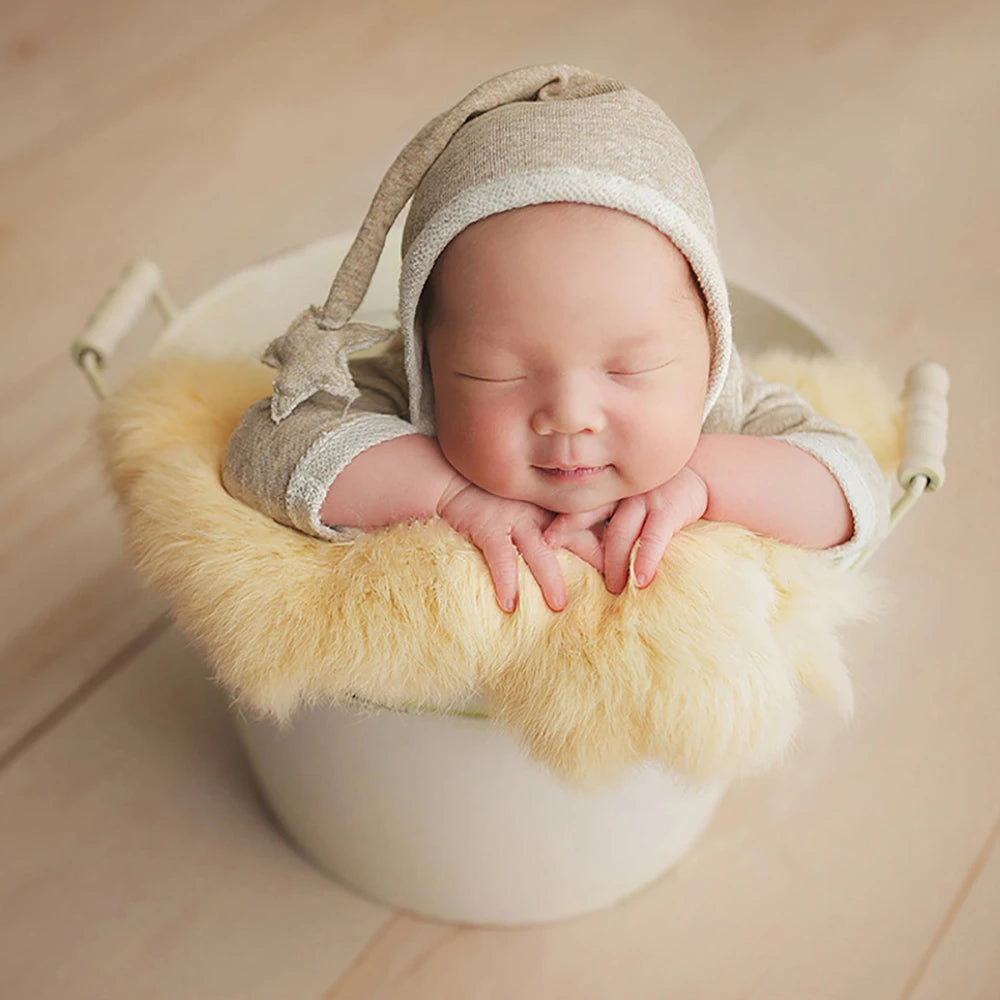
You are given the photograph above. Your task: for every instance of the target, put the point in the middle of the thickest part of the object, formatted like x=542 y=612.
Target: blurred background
x=851 y=152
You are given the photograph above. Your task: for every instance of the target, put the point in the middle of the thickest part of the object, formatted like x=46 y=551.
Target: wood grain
x=851 y=152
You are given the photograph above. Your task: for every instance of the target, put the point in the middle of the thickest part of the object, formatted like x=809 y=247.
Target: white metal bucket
x=435 y=813
x=444 y=816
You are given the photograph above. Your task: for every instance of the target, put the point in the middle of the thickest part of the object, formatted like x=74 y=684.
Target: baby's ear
x=312 y=358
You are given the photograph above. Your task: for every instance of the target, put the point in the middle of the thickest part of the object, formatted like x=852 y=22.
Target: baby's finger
x=565 y=526
x=588 y=547
x=544 y=566
x=653 y=542
x=501 y=559
x=619 y=538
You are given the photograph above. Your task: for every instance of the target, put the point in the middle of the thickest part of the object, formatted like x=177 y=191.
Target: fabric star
x=311 y=358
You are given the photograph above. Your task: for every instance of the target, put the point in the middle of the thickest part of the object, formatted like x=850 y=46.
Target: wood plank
x=860 y=194
x=69 y=644
x=133 y=837
x=850 y=152
x=55 y=57
x=965 y=962
x=791 y=890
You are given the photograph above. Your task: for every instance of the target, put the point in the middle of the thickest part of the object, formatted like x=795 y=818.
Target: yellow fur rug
x=700 y=672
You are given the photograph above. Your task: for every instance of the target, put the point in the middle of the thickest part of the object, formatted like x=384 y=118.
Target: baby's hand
x=582 y=534
x=500 y=529
x=649 y=519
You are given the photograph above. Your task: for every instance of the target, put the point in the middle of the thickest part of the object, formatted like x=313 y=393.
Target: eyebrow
x=640 y=340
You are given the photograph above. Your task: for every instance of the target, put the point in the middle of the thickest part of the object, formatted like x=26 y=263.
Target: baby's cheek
x=659 y=453
x=468 y=435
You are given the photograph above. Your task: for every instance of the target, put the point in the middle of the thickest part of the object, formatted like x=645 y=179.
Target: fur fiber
x=701 y=672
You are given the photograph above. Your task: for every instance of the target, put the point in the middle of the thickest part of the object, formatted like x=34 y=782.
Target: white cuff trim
x=326 y=458
x=844 y=469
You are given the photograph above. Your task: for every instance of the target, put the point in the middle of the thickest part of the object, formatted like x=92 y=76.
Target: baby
x=564 y=375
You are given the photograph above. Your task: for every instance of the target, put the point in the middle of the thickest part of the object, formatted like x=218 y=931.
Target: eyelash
x=520 y=378
x=492 y=381
x=641 y=371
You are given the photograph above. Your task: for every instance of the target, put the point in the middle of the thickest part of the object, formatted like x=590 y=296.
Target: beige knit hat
x=532 y=136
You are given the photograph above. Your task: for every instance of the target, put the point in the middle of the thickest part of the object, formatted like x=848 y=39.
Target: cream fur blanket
x=700 y=672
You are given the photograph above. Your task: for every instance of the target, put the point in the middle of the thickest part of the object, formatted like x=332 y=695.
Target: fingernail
x=641 y=580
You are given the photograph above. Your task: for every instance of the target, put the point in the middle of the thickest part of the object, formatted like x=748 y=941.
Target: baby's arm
x=820 y=467
x=772 y=487
x=764 y=484
x=789 y=474
x=400 y=480
x=422 y=483
x=325 y=468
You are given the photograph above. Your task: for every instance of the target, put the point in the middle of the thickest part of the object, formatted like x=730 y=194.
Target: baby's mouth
x=571 y=474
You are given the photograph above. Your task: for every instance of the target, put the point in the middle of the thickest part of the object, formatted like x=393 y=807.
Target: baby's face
x=569 y=352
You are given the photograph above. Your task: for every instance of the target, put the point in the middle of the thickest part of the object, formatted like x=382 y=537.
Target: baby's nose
x=570 y=406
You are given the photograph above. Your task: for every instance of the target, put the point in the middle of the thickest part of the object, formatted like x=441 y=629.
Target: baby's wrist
x=455 y=484
x=699 y=493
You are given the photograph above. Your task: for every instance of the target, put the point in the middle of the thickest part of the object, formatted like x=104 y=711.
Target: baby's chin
x=569 y=497
x=570 y=491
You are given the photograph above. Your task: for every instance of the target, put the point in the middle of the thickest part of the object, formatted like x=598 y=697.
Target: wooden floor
x=852 y=151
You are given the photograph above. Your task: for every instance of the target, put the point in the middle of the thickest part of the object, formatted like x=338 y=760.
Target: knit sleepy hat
x=533 y=136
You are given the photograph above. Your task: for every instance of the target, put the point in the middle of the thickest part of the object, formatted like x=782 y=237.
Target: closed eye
x=640 y=371
x=483 y=378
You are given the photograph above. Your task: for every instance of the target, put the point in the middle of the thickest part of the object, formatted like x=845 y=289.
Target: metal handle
x=116 y=315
